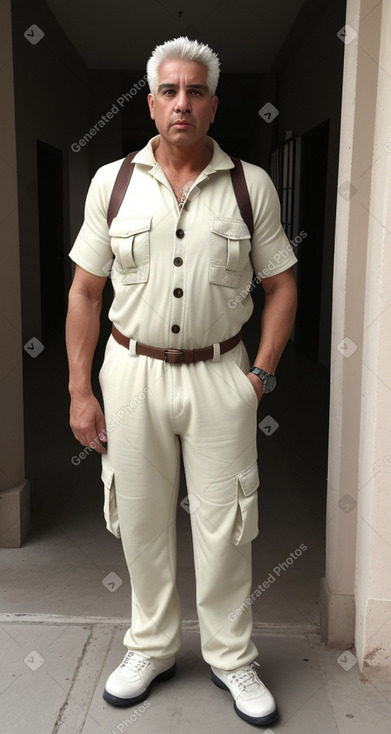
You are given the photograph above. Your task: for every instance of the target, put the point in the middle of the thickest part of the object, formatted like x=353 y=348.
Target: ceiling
x=120 y=34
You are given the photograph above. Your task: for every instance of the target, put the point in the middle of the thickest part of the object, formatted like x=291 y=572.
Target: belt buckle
x=177 y=355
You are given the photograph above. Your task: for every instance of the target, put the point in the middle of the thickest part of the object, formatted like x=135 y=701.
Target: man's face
x=182 y=105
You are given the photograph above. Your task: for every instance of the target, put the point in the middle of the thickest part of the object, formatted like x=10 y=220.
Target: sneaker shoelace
x=134 y=661
x=246 y=678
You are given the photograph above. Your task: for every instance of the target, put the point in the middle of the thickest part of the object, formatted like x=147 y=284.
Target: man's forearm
x=82 y=332
x=277 y=322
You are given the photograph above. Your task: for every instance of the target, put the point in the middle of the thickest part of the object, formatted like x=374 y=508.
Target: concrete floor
x=65 y=593
x=56 y=670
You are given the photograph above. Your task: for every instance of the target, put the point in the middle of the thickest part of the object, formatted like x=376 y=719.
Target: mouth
x=181 y=123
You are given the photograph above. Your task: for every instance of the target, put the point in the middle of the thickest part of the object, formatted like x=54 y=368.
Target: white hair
x=183 y=48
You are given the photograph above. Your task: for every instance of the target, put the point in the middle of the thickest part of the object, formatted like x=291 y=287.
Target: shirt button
x=180 y=234
x=178 y=261
x=178 y=292
x=175 y=329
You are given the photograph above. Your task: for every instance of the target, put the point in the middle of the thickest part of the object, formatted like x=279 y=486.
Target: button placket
x=177 y=277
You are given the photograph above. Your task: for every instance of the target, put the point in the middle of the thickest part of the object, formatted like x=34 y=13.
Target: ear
x=214 y=104
x=151 y=104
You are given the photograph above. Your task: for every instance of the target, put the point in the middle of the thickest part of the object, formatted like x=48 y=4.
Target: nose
x=183 y=102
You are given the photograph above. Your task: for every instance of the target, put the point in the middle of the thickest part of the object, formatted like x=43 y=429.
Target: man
x=182 y=255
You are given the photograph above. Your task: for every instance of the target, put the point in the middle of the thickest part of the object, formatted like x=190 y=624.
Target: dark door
x=314 y=146
x=51 y=237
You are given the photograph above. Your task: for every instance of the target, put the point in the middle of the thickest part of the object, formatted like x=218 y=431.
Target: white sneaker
x=131 y=682
x=252 y=700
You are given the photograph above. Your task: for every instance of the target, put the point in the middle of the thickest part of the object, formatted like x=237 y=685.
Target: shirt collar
x=220 y=160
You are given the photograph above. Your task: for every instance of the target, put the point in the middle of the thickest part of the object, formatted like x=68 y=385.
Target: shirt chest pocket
x=130 y=242
x=229 y=251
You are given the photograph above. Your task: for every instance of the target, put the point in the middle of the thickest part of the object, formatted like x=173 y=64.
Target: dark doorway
x=51 y=236
x=313 y=164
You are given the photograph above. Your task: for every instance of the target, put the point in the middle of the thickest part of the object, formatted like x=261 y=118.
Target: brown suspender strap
x=120 y=186
x=242 y=195
x=238 y=182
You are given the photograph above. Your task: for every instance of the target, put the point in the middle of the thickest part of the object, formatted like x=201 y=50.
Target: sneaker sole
x=256 y=720
x=116 y=701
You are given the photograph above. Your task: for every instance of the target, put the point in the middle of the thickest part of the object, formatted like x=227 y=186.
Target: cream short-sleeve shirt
x=182 y=277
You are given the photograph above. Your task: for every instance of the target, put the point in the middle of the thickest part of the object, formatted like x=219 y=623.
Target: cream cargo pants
x=211 y=407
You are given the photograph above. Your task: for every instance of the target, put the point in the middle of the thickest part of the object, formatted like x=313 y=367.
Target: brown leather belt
x=177 y=356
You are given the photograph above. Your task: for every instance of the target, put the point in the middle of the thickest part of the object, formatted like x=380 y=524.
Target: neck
x=183 y=157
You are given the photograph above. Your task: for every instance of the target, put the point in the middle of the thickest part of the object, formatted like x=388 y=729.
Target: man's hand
x=256 y=383
x=88 y=423
x=82 y=331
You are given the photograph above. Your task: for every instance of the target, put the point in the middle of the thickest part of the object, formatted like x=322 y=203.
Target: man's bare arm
x=82 y=332
x=278 y=317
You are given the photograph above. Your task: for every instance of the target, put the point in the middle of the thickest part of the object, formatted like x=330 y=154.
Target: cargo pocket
x=130 y=244
x=246 y=522
x=229 y=252
x=110 y=509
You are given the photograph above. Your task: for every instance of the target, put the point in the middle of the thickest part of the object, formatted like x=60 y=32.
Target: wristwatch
x=268 y=381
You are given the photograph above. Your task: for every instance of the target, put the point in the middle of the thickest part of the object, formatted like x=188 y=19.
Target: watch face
x=269 y=383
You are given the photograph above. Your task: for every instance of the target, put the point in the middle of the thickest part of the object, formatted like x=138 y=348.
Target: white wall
x=359 y=498
x=373 y=561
